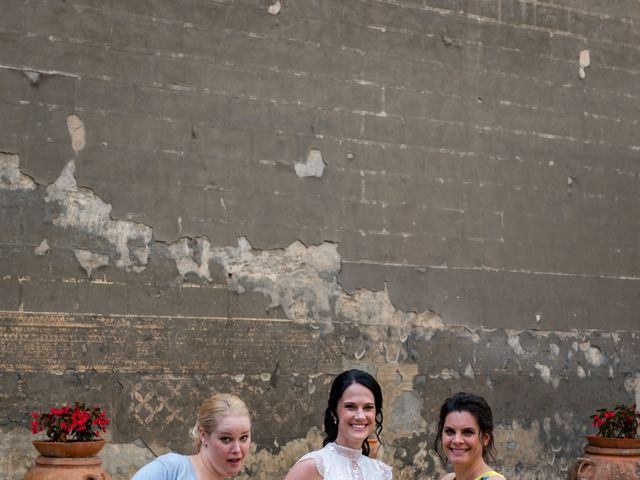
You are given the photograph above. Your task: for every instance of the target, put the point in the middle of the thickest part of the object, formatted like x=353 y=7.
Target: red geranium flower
x=76 y=423
x=621 y=422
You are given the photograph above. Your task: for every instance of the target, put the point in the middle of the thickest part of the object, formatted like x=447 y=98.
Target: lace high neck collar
x=350 y=453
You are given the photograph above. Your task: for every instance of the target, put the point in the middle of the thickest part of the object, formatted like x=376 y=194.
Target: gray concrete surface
x=212 y=195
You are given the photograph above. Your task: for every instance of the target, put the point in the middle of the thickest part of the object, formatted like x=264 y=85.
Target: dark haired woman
x=354 y=412
x=465 y=433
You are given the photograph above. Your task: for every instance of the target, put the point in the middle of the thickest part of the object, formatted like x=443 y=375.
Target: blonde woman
x=222 y=436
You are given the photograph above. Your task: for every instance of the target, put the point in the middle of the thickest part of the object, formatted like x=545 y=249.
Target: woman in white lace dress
x=353 y=413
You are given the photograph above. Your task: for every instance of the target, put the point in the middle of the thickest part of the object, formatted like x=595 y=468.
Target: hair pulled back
x=481 y=411
x=339 y=385
x=212 y=410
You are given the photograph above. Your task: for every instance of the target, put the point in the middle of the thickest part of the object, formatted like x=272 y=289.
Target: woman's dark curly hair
x=481 y=411
x=339 y=385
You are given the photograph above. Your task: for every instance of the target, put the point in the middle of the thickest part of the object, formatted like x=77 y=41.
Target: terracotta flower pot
x=613 y=442
x=608 y=459
x=68 y=449
x=68 y=461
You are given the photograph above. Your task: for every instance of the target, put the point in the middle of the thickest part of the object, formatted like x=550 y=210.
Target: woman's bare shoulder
x=304 y=470
x=449 y=476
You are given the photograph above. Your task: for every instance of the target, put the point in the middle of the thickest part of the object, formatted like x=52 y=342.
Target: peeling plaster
x=302 y=280
x=90 y=261
x=517 y=444
x=267 y=465
x=312 y=167
x=632 y=385
x=584 y=62
x=402 y=408
x=468 y=372
x=593 y=355
x=446 y=374
x=183 y=254
x=77 y=132
x=545 y=374
x=274 y=8
x=42 y=249
x=85 y=211
x=514 y=343
x=11 y=178
x=34 y=77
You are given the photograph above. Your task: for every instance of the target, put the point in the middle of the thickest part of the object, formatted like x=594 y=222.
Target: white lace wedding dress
x=335 y=462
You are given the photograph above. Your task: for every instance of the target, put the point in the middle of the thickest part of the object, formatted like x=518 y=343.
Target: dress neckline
x=350 y=453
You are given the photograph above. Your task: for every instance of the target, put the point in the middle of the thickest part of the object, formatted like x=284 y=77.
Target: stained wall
x=251 y=196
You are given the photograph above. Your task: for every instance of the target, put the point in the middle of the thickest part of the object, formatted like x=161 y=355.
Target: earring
x=335 y=420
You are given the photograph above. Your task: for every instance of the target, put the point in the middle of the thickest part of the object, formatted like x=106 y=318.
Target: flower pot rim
x=613 y=442
x=69 y=449
x=48 y=440
x=612 y=438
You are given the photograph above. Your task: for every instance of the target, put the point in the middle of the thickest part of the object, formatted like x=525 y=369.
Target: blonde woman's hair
x=210 y=412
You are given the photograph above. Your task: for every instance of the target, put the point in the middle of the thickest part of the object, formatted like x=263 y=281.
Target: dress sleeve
x=317 y=460
x=155 y=470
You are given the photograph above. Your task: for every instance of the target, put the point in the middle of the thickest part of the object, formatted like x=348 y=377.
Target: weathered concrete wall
x=251 y=196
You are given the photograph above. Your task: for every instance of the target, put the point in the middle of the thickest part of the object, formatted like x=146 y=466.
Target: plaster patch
x=183 y=255
x=90 y=261
x=77 y=132
x=584 y=62
x=124 y=459
x=595 y=356
x=581 y=372
x=42 y=249
x=404 y=416
x=545 y=374
x=34 y=77
x=275 y=465
x=85 y=211
x=274 y=8
x=299 y=279
x=375 y=308
x=632 y=385
x=468 y=372
x=303 y=281
x=401 y=406
x=11 y=178
x=446 y=374
x=312 y=167
x=514 y=342
x=518 y=444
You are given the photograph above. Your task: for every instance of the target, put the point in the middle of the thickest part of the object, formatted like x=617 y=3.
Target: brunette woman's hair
x=481 y=411
x=339 y=385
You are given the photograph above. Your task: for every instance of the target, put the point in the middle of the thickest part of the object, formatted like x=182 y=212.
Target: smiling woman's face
x=225 y=449
x=461 y=439
x=356 y=413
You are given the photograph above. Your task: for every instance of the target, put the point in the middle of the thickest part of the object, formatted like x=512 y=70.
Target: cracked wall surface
x=253 y=196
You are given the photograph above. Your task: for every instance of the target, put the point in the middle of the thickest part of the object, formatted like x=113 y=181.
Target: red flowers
x=621 y=422
x=71 y=423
